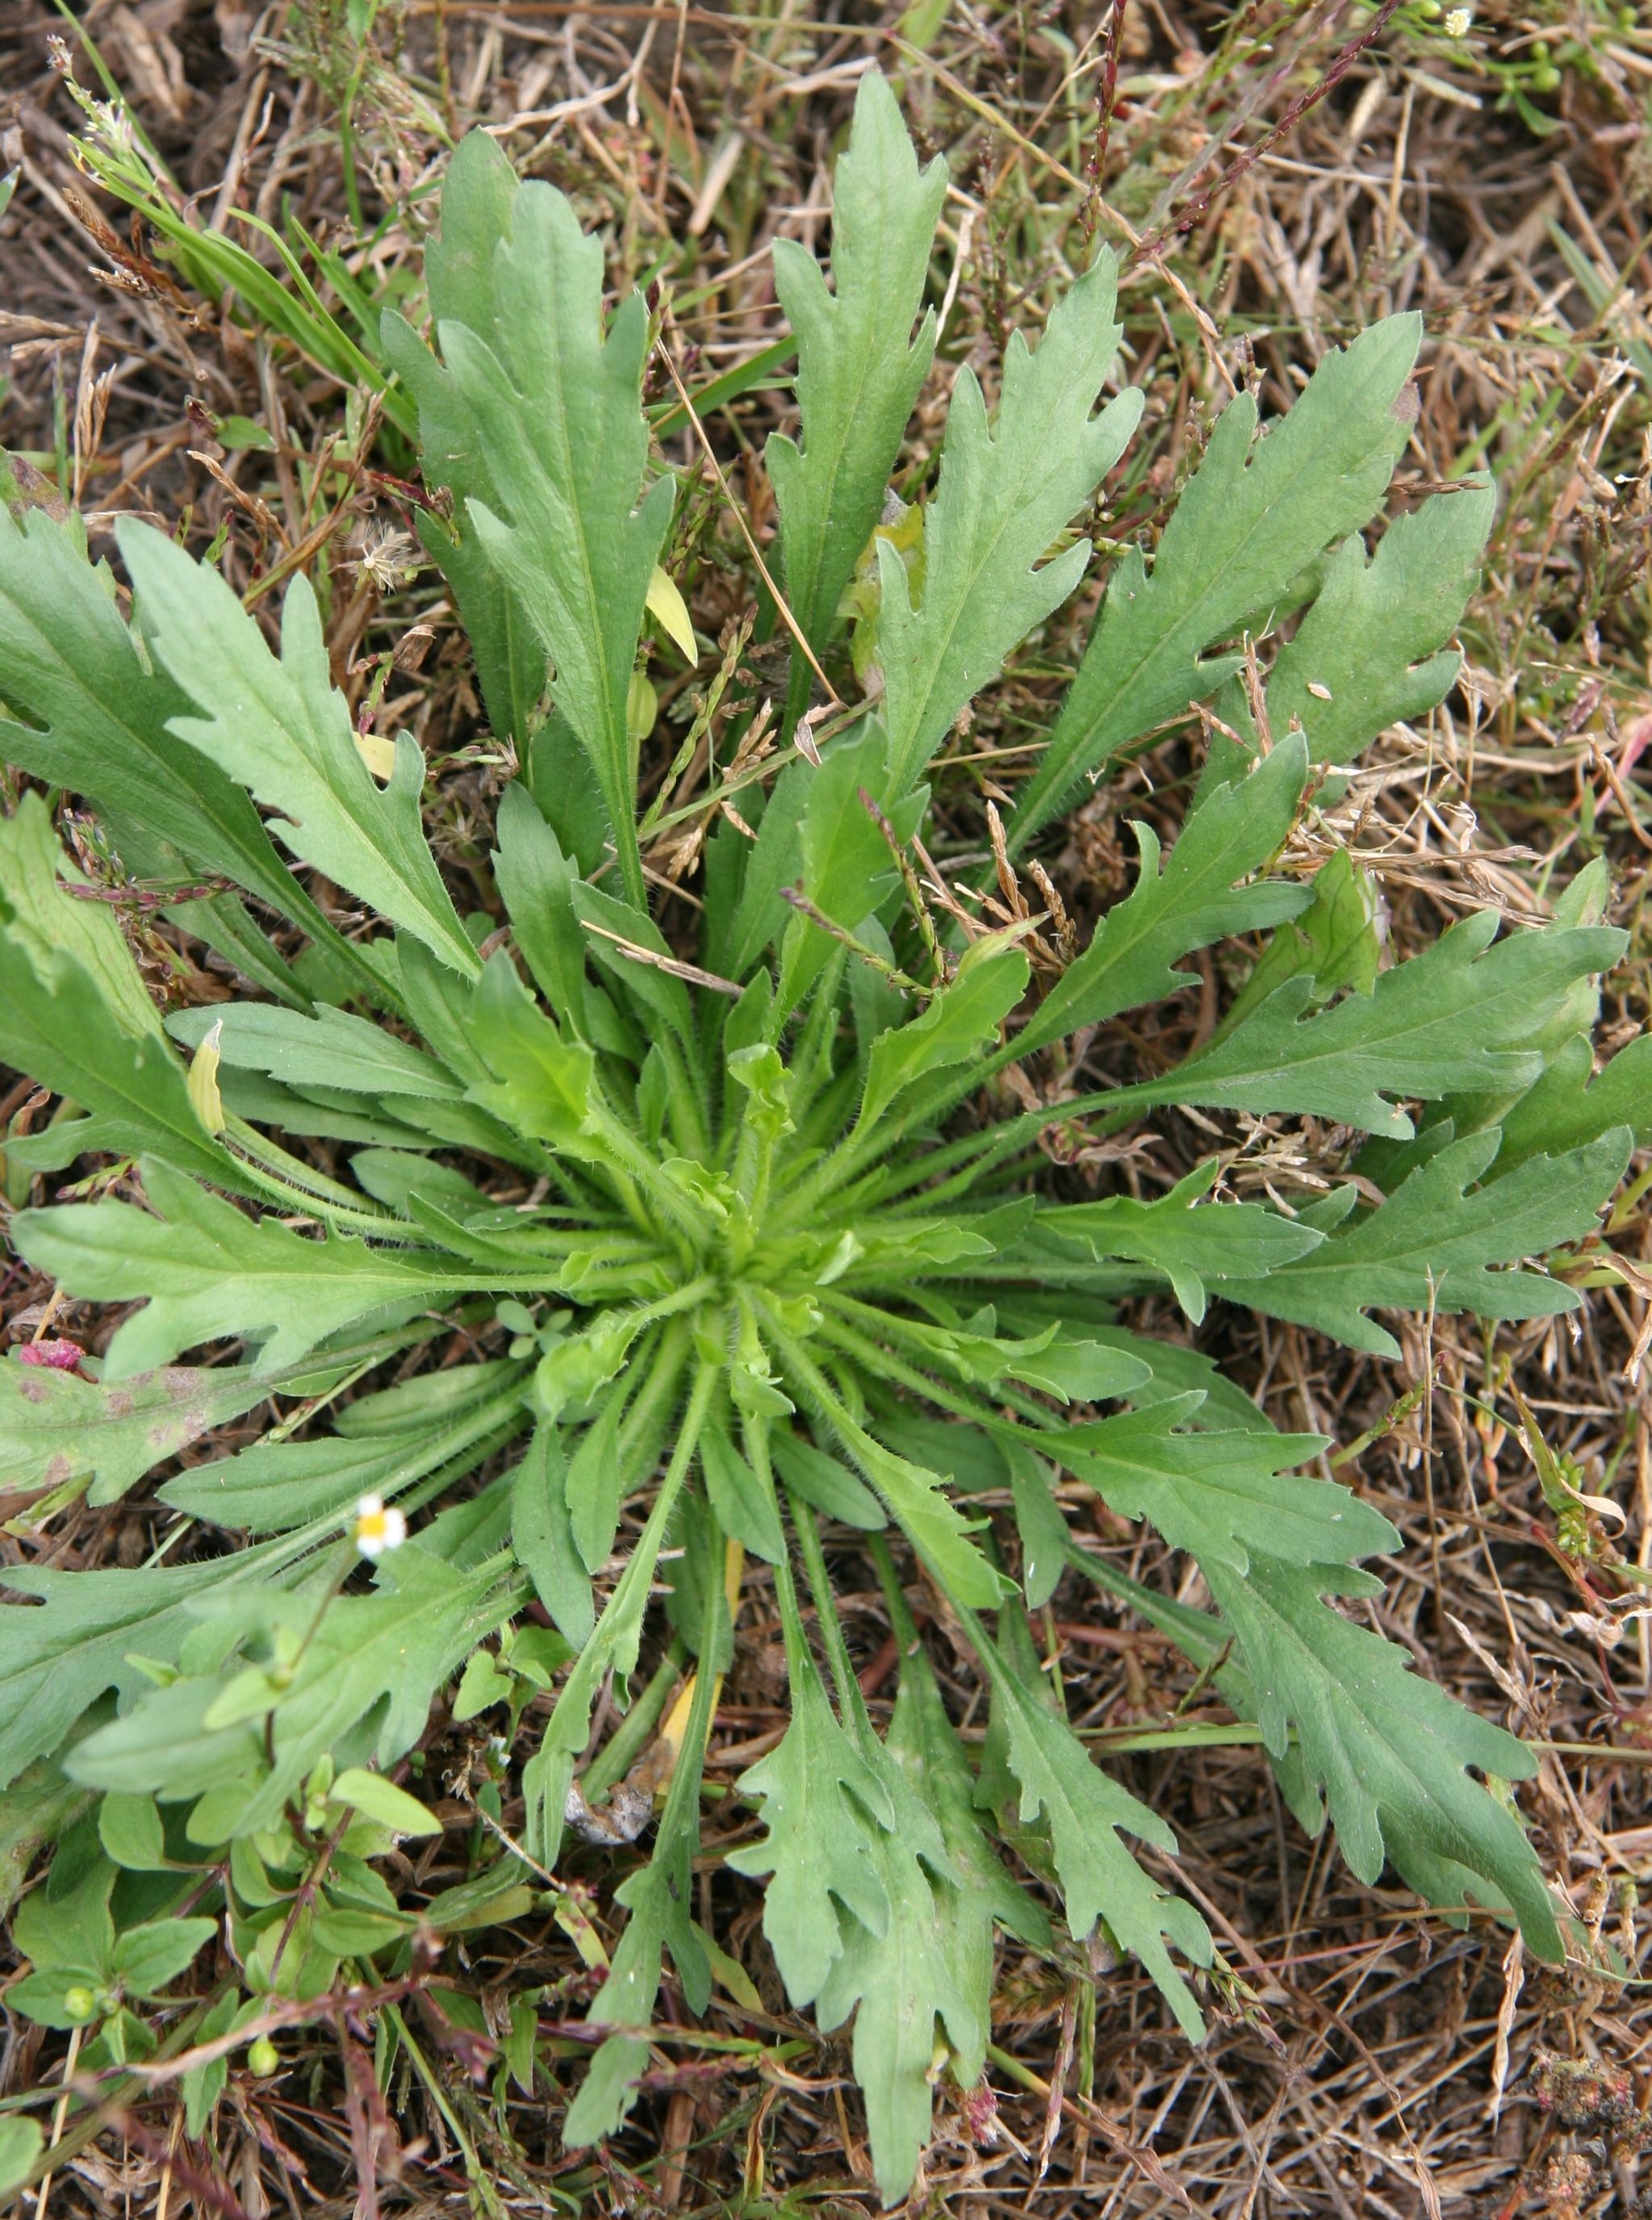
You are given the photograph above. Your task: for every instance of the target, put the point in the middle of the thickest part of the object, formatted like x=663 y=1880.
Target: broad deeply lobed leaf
x=1250 y=520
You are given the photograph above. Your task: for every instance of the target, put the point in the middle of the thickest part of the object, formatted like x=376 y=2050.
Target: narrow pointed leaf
x=332 y=1050
x=276 y=726
x=478 y=196
x=823 y=1808
x=1571 y=1104
x=1007 y=490
x=1387 y=1750
x=859 y=363
x=1442 y=1244
x=1086 y=1812
x=100 y=718
x=658 y=1898
x=1430 y=1026
x=1199 y=896
x=918 y=1979
x=954 y=1025
x=1180 y=1234
x=56 y=1024
x=59 y=1657
x=1372 y=649
x=378 y=1657
x=210 y=1272
x=1222 y=1495
x=555 y=402
x=1248 y=521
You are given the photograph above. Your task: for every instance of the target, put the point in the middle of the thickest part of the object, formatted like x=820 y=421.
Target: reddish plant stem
x=1180 y=226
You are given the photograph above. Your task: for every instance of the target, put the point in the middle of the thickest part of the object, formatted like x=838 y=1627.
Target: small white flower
x=1458 y=23
x=377 y=1529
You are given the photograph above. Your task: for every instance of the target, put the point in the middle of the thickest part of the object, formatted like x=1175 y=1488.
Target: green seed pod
x=262 y=2056
x=642 y=706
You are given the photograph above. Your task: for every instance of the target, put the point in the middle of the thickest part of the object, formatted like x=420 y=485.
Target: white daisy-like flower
x=1458 y=23
x=378 y=1528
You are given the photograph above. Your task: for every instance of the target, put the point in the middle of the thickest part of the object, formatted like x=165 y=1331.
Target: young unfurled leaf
x=1335 y=941
x=825 y=1483
x=1040 y=1523
x=1007 y=491
x=670 y=612
x=275 y=724
x=1436 y=1243
x=375 y=1797
x=1572 y=1105
x=147 y=1958
x=859 y=363
x=1250 y=519
x=1388 y=1752
x=630 y=949
x=542 y=1084
x=820 y=827
x=964 y=1015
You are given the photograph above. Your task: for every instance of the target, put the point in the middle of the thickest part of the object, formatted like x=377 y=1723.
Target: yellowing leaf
x=667 y=605
x=379 y=754
x=201 y=1084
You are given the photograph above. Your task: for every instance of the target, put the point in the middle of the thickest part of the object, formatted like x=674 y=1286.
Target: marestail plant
x=706 y=1153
